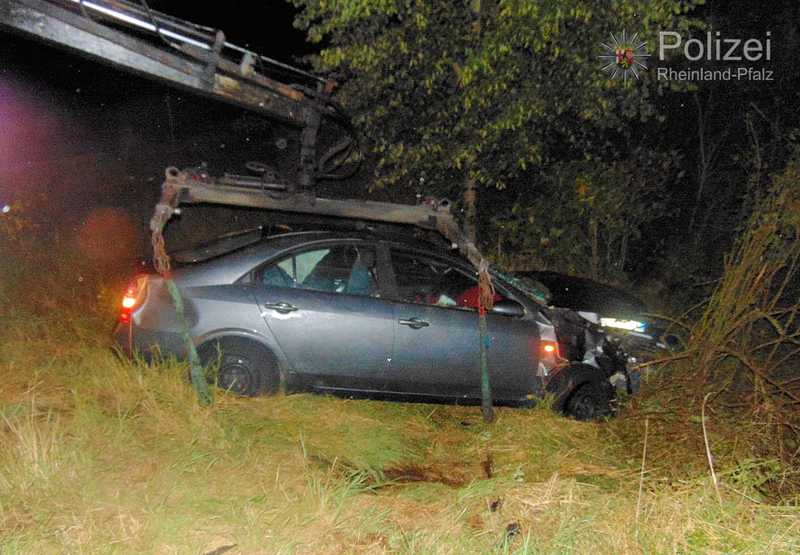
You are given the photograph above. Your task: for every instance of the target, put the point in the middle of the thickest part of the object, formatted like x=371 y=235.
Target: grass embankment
x=99 y=454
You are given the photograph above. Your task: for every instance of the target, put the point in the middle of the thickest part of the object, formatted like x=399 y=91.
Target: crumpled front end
x=582 y=342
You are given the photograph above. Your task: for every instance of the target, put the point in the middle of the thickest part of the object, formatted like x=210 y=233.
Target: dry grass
x=740 y=362
x=112 y=456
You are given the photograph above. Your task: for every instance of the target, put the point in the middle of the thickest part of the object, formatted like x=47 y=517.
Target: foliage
x=492 y=88
x=585 y=216
x=508 y=95
x=747 y=339
x=742 y=355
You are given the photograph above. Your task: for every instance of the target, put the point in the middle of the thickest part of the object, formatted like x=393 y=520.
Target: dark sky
x=264 y=26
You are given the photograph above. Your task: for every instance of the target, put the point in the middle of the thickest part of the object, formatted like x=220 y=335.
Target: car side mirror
x=507 y=307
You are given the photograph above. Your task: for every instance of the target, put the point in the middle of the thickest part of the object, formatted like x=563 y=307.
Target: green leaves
x=584 y=214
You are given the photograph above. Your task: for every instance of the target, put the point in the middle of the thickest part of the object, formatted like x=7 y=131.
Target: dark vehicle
x=615 y=310
x=361 y=314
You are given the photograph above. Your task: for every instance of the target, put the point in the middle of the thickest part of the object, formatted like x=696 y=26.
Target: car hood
x=587 y=295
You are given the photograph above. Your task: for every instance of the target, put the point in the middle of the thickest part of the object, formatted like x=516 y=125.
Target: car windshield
x=533 y=288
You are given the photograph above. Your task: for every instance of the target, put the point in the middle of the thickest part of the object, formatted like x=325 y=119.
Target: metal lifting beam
x=193 y=187
x=198 y=188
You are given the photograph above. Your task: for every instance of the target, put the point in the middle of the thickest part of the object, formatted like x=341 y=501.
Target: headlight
x=628 y=325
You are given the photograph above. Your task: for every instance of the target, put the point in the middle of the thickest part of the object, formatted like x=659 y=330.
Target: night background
x=79 y=135
x=682 y=193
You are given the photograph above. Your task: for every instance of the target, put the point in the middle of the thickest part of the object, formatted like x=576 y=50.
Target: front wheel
x=589 y=401
x=581 y=391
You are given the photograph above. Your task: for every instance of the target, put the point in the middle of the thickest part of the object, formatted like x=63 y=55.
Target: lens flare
x=108 y=234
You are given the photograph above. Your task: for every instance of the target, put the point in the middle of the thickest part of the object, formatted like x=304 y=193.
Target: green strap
x=486 y=388
x=199 y=382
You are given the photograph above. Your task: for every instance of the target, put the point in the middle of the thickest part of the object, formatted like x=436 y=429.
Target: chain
x=164 y=210
x=485 y=287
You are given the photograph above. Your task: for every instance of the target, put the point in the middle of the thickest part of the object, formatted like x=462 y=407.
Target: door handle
x=283 y=308
x=415 y=323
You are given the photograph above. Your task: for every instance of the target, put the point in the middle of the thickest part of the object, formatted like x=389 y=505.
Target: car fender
x=563 y=383
x=268 y=342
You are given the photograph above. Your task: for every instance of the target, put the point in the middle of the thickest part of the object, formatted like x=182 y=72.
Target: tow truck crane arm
x=186 y=55
x=199 y=59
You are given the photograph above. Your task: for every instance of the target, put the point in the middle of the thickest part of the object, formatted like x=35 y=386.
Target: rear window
x=218 y=246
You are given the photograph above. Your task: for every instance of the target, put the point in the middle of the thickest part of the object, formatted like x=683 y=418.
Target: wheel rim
x=236 y=376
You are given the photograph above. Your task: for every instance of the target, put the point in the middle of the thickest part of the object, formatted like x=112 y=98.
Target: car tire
x=243 y=367
x=577 y=387
x=589 y=401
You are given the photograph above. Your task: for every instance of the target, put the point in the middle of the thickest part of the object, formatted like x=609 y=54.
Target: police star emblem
x=624 y=57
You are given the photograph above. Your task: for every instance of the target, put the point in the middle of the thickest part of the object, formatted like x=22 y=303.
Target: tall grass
x=103 y=454
x=737 y=377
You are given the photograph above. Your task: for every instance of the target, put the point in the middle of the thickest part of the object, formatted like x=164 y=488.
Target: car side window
x=348 y=269
x=423 y=280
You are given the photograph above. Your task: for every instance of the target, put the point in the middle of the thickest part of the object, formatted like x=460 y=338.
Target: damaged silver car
x=367 y=314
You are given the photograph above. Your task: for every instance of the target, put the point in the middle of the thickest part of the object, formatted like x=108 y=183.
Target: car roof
x=295 y=238
x=230 y=266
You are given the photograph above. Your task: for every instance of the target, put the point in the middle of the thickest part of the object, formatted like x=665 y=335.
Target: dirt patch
x=450 y=476
x=488 y=465
x=475 y=522
x=455 y=474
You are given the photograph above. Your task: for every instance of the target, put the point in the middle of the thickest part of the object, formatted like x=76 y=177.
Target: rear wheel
x=242 y=366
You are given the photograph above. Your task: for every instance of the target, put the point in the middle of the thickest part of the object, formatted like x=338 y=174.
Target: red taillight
x=132 y=298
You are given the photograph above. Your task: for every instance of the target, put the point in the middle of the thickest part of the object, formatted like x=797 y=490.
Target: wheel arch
x=567 y=381
x=269 y=345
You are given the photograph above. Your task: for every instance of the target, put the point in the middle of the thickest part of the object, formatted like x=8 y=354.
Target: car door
x=323 y=305
x=436 y=348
